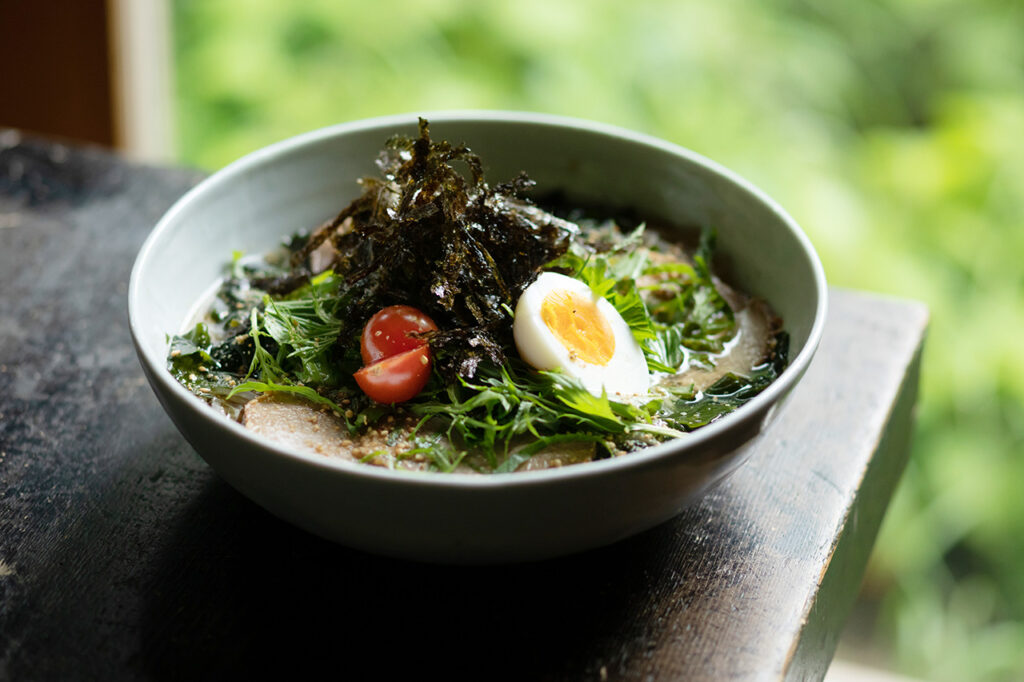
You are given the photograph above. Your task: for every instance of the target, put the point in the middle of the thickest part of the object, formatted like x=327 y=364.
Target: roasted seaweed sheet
x=431 y=233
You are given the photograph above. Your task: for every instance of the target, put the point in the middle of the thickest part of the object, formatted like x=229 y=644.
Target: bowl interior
x=251 y=205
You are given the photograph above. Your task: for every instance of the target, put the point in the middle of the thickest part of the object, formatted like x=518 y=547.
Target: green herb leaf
x=304 y=391
x=515 y=400
x=194 y=344
x=307 y=325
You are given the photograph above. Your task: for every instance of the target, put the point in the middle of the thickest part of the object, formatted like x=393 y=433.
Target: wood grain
x=124 y=557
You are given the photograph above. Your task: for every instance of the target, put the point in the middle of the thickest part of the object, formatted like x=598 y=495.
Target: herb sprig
x=503 y=403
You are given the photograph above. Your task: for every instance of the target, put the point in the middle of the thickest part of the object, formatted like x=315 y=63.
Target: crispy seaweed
x=429 y=235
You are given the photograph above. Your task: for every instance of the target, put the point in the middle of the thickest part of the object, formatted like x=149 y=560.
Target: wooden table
x=123 y=556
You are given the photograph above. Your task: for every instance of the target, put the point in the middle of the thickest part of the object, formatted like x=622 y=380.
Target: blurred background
x=893 y=130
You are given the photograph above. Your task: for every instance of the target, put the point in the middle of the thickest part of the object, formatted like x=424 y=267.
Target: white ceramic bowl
x=295 y=184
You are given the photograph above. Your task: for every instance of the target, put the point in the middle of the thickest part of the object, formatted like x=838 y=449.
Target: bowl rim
x=651 y=457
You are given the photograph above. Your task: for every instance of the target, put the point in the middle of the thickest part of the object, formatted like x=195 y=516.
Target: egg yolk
x=579 y=326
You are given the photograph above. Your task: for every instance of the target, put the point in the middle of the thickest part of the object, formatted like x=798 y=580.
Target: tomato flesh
x=389 y=332
x=397 y=378
x=397 y=363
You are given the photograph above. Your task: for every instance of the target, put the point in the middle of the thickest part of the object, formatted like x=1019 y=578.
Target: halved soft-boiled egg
x=560 y=325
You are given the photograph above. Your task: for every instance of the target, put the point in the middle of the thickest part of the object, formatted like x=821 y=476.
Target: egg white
x=625 y=373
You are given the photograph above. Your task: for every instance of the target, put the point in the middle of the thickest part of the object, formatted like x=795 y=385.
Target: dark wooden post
x=55 y=75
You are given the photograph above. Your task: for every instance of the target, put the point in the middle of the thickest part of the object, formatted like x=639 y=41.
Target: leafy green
x=272 y=377
x=307 y=325
x=702 y=316
x=666 y=353
x=192 y=346
x=190 y=361
x=514 y=400
x=264 y=364
x=296 y=389
x=439 y=452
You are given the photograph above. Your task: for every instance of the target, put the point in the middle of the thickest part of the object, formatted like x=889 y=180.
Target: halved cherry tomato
x=397 y=378
x=388 y=332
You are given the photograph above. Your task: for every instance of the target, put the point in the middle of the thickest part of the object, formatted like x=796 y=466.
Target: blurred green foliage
x=893 y=130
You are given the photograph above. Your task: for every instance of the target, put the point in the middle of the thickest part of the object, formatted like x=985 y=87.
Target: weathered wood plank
x=123 y=556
